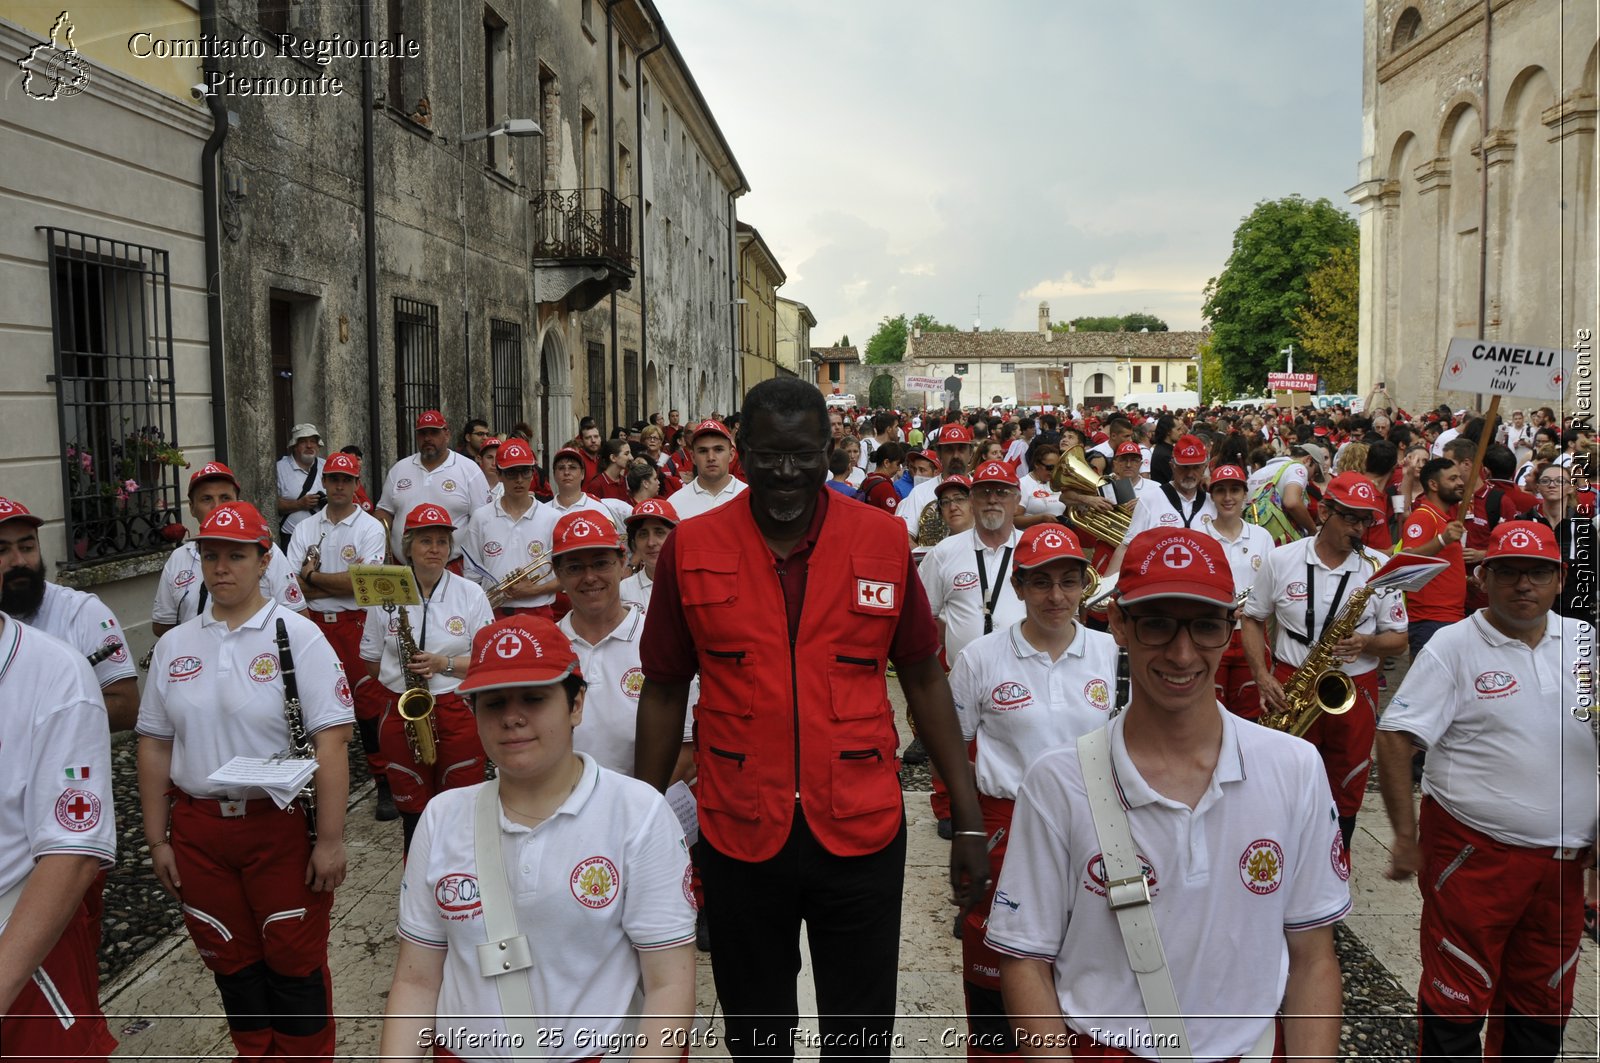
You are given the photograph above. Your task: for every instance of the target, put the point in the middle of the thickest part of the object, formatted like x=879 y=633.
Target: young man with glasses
x=1305 y=586
x=1230 y=826
x=1501 y=702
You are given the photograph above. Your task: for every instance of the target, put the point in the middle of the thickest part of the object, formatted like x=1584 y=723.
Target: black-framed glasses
x=953 y=499
x=1206 y=632
x=1548 y=481
x=798 y=460
x=1044 y=584
x=600 y=565
x=1351 y=517
x=1538 y=576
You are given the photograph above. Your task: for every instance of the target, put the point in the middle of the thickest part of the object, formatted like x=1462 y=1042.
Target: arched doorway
x=555 y=395
x=1099 y=391
x=652 y=392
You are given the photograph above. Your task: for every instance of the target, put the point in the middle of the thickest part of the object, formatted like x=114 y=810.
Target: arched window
x=1407 y=28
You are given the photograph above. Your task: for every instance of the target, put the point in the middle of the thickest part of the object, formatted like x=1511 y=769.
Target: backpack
x=1265 y=508
x=864 y=492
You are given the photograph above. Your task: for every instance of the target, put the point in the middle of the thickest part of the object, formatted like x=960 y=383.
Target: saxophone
x=416 y=701
x=1319 y=685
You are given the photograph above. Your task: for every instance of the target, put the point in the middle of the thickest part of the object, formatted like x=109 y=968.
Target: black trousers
x=851 y=908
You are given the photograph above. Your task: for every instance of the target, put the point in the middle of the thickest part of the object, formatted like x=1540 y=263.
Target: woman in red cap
x=453 y=609
x=648 y=527
x=256 y=885
x=598 y=870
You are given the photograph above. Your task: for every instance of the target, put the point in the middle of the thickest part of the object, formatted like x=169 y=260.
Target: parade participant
x=1284 y=485
x=1508 y=808
x=968 y=575
x=714 y=484
x=473 y=436
x=1574 y=529
x=839 y=472
x=1432 y=529
x=920 y=467
x=181 y=594
x=1496 y=499
x=1041 y=503
x=588 y=446
x=299 y=475
x=1181 y=503
x=1246 y=546
x=743 y=596
x=1305 y=586
x=648 y=527
x=878 y=488
x=604 y=897
x=1025 y=688
x=434 y=474
x=323 y=549
x=854 y=473
x=1021 y=446
x=954 y=497
x=487 y=465
x=1118 y=430
x=441 y=629
x=1204 y=795
x=256 y=889
x=605 y=633
x=567 y=471
x=503 y=537
x=644 y=481
x=612 y=479
x=651 y=439
x=954 y=453
x=78 y=618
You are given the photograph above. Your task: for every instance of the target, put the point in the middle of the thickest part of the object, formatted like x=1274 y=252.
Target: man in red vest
x=800 y=808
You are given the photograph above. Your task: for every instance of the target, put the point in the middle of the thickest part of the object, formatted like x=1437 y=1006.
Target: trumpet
x=531 y=571
x=314 y=553
x=1073 y=472
x=416 y=701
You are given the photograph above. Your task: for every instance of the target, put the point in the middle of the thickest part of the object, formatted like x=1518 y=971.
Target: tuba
x=1319 y=685
x=1074 y=472
x=931 y=528
x=531 y=571
x=416 y=701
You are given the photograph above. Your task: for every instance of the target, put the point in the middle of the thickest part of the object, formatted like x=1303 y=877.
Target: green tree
x=1212 y=388
x=880 y=393
x=928 y=323
x=1328 y=324
x=1252 y=302
x=888 y=344
x=1114 y=323
x=844 y=341
x=1140 y=321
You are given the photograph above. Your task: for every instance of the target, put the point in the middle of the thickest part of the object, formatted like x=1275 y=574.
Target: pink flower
x=130 y=486
x=86 y=460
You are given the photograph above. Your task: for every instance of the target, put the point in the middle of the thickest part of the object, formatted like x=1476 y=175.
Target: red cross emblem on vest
x=871 y=594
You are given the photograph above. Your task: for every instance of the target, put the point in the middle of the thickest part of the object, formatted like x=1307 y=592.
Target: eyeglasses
x=1206 y=632
x=798 y=460
x=1044 y=584
x=1547 y=481
x=1352 y=518
x=991 y=492
x=599 y=565
x=1048 y=466
x=1539 y=576
x=953 y=500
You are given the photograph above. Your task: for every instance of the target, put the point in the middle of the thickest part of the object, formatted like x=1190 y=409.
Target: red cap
x=567 y=452
x=1098 y=438
x=932 y=456
x=1176 y=563
x=1523 y=538
x=1130 y=447
x=492 y=443
x=1224 y=474
x=1354 y=491
x=1189 y=450
x=429 y=515
x=10 y=510
x=710 y=424
x=963 y=482
x=584 y=530
x=952 y=434
x=236 y=522
x=213 y=470
x=652 y=509
x=520 y=651
x=1044 y=543
x=342 y=464
x=1320 y=430
x=514 y=454
x=994 y=472
x=430 y=419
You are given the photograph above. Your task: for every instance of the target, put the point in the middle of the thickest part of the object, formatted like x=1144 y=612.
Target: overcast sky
x=914 y=155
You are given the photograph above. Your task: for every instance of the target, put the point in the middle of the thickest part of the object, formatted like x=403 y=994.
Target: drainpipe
x=733 y=296
x=213 y=241
x=369 y=230
x=611 y=186
x=638 y=162
x=1483 y=163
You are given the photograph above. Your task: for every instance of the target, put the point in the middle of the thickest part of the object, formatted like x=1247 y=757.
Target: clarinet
x=299 y=741
x=105 y=652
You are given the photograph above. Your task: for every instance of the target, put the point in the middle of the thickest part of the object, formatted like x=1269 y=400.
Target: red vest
x=807 y=722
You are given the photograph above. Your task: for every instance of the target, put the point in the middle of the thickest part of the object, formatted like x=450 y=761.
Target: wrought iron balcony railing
x=582 y=223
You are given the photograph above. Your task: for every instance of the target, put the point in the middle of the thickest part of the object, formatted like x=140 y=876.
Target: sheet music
x=681 y=798
x=282 y=779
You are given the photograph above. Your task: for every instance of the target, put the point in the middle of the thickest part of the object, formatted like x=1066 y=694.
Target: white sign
x=1506 y=369
x=924 y=383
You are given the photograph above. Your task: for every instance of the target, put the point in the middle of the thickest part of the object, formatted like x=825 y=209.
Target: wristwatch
x=450 y=665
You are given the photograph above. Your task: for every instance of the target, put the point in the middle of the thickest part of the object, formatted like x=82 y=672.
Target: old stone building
x=760 y=276
x=1448 y=249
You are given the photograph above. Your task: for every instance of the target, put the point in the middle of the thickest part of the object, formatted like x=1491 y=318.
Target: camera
x=199 y=91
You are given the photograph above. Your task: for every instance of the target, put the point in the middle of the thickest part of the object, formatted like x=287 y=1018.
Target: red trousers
x=256 y=924
x=1345 y=741
x=1085 y=1047
x=1500 y=924
x=459 y=761
x=1236 y=686
x=988 y=1028
x=343 y=632
x=57 y=1015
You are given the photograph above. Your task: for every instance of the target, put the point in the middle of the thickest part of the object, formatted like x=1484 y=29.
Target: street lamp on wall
x=511 y=127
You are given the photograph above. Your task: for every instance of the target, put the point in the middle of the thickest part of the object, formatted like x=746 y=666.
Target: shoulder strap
x=1128 y=893
x=1492 y=504
x=311 y=476
x=506 y=952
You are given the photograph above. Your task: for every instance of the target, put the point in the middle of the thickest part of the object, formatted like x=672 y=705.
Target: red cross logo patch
x=871 y=594
x=1456 y=368
x=78 y=810
x=1177 y=556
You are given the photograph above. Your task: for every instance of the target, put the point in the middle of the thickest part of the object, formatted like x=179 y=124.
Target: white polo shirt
x=954 y=584
x=1506 y=756
x=55 y=755
x=691 y=499
x=1258 y=856
x=83 y=621
x=457 y=485
x=544 y=525
x=611 y=702
x=1295 y=474
x=1155 y=510
x=496 y=544
x=444 y=623
x=1019 y=703
x=603 y=879
x=1142 y=487
x=636 y=589
x=1040 y=498
x=1280 y=589
x=178 y=593
x=1246 y=553
x=356 y=540
x=217 y=694
x=290 y=478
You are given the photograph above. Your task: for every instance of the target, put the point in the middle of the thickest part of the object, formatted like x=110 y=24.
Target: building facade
x=1447 y=248
x=832 y=368
x=760 y=276
x=795 y=322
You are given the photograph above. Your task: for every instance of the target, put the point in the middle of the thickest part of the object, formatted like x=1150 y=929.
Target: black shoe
x=702 y=932
x=915 y=753
x=384 y=810
x=947 y=830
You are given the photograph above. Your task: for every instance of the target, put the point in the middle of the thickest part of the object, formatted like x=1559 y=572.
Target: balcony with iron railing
x=583 y=245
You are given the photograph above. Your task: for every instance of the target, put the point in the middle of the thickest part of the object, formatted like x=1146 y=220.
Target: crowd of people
x=1102 y=623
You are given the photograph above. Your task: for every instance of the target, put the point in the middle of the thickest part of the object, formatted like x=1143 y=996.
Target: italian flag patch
x=78 y=773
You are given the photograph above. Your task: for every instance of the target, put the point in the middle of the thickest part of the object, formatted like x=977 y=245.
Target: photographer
x=300 y=491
